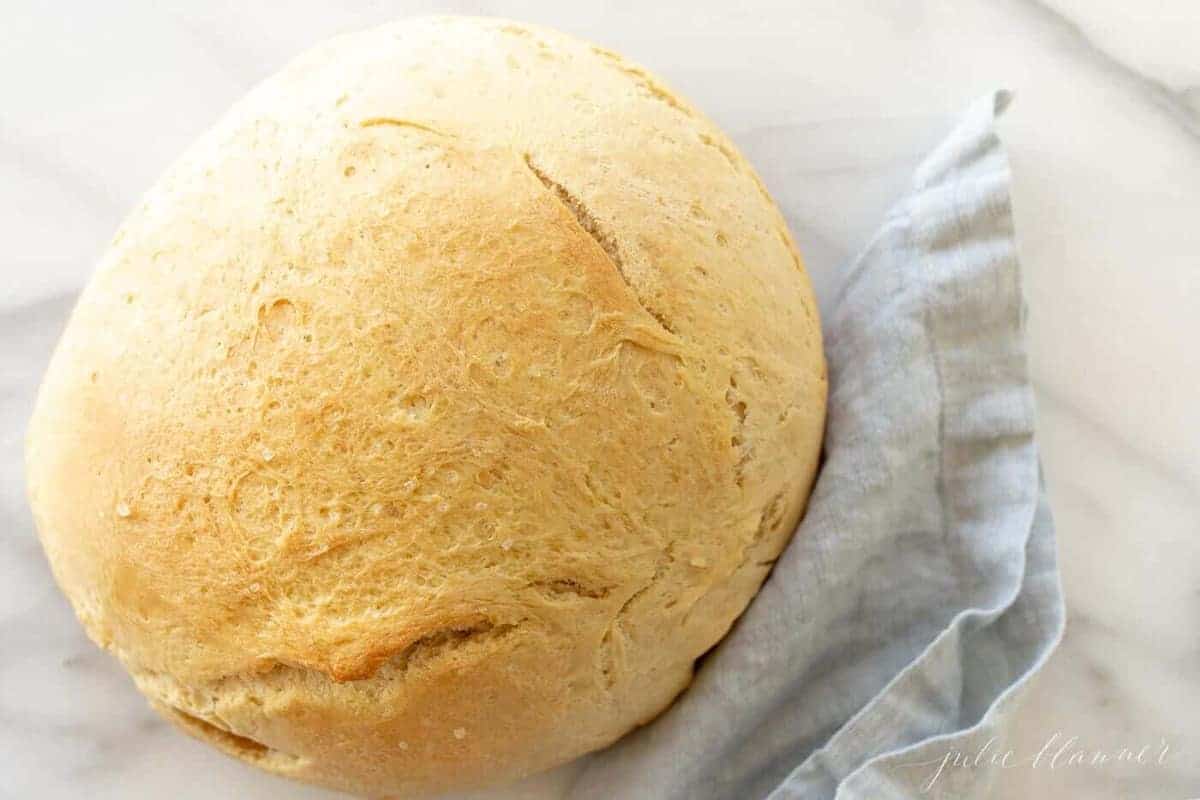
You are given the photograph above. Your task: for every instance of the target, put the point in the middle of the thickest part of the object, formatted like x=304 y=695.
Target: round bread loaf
x=433 y=413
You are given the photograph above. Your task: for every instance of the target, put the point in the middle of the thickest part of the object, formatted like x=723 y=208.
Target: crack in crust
x=570 y=587
x=644 y=81
x=391 y=662
x=592 y=227
x=442 y=643
x=723 y=150
x=769 y=520
x=228 y=741
x=384 y=666
x=737 y=441
x=401 y=123
x=612 y=642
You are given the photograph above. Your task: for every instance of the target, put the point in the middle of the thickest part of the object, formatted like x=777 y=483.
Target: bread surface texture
x=433 y=413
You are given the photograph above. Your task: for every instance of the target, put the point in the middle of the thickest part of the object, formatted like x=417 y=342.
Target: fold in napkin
x=921 y=590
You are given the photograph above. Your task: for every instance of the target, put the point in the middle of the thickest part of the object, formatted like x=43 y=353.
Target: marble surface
x=834 y=103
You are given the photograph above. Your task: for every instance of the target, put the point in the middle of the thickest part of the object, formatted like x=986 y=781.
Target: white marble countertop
x=834 y=103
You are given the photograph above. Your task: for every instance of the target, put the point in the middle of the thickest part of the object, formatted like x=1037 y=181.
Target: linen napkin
x=921 y=589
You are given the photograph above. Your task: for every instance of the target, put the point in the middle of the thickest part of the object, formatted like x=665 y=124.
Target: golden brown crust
x=434 y=412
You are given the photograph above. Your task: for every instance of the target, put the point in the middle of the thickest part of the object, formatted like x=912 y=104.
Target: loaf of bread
x=434 y=413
